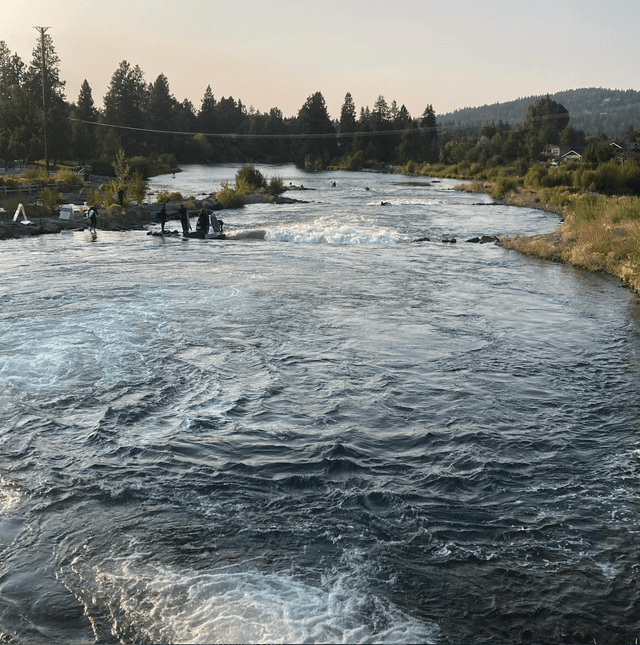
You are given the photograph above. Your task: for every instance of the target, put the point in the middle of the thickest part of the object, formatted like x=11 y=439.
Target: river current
x=317 y=430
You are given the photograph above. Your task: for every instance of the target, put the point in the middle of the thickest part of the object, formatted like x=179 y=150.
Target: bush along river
x=318 y=429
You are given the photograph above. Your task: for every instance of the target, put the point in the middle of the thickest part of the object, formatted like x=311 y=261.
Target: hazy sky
x=451 y=54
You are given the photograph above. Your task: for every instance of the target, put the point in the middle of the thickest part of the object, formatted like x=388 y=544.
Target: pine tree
x=314 y=119
x=207 y=115
x=11 y=71
x=58 y=126
x=125 y=104
x=348 y=115
x=161 y=113
x=348 y=124
x=83 y=133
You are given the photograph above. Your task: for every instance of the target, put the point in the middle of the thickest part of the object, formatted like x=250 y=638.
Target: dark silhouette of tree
x=84 y=138
x=546 y=118
x=11 y=75
x=314 y=119
x=161 y=115
x=429 y=135
x=11 y=71
x=410 y=148
x=58 y=127
x=20 y=126
x=125 y=104
x=348 y=124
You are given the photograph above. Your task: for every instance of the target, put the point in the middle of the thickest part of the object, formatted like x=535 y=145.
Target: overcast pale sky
x=451 y=54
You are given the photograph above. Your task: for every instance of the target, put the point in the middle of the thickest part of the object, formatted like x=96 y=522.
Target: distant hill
x=594 y=110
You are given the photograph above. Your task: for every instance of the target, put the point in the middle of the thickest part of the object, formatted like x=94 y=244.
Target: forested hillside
x=594 y=110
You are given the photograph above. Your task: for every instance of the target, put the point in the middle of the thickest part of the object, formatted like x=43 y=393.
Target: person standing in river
x=203 y=222
x=163 y=217
x=184 y=219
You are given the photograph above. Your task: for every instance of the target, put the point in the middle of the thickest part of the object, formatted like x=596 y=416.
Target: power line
x=325 y=135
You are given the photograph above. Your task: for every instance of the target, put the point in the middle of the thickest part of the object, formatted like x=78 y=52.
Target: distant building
x=572 y=155
x=624 y=150
x=557 y=153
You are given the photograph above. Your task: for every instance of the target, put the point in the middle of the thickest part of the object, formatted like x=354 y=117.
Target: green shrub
x=502 y=186
x=228 y=197
x=164 y=197
x=556 y=195
x=356 y=161
x=249 y=179
x=588 y=208
x=625 y=209
x=36 y=174
x=69 y=178
x=276 y=185
x=560 y=177
x=109 y=190
x=630 y=178
x=50 y=198
x=141 y=165
x=137 y=188
x=477 y=170
x=536 y=177
x=94 y=197
x=606 y=178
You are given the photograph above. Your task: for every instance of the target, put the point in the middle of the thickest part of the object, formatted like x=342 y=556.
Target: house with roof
x=557 y=153
x=625 y=150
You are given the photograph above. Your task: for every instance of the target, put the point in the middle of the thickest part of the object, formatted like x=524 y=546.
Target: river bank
x=598 y=233
x=128 y=218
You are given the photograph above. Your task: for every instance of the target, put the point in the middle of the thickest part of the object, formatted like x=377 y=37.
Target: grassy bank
x=599 y=204
x=599 y=233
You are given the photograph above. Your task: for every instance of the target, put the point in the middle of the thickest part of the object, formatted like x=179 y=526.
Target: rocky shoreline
x=129 y=218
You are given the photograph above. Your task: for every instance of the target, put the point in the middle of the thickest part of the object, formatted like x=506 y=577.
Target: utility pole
x=42 y=31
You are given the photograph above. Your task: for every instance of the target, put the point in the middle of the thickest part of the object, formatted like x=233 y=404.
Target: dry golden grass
x=599 y=234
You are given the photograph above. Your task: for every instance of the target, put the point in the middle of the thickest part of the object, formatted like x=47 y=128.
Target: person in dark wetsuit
x=93 y=217
x=163 y=217
x=184 y=219
x=203 y=222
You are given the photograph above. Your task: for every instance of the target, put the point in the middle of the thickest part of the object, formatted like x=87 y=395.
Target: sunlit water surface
x=317 y=430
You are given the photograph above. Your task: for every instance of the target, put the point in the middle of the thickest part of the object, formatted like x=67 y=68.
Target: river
x=318 y=429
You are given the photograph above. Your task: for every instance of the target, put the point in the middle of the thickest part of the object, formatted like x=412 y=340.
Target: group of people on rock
x=205 y=221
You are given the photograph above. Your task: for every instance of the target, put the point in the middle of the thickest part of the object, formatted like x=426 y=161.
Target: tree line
x=146 y=120
x=152 y=127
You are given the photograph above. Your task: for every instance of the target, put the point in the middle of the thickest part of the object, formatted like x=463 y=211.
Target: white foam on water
x=328 y=230
x=9 y=496
x=50 y=352
x=231 y=606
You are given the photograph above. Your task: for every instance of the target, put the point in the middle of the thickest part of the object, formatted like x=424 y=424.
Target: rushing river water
x=318 y=430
